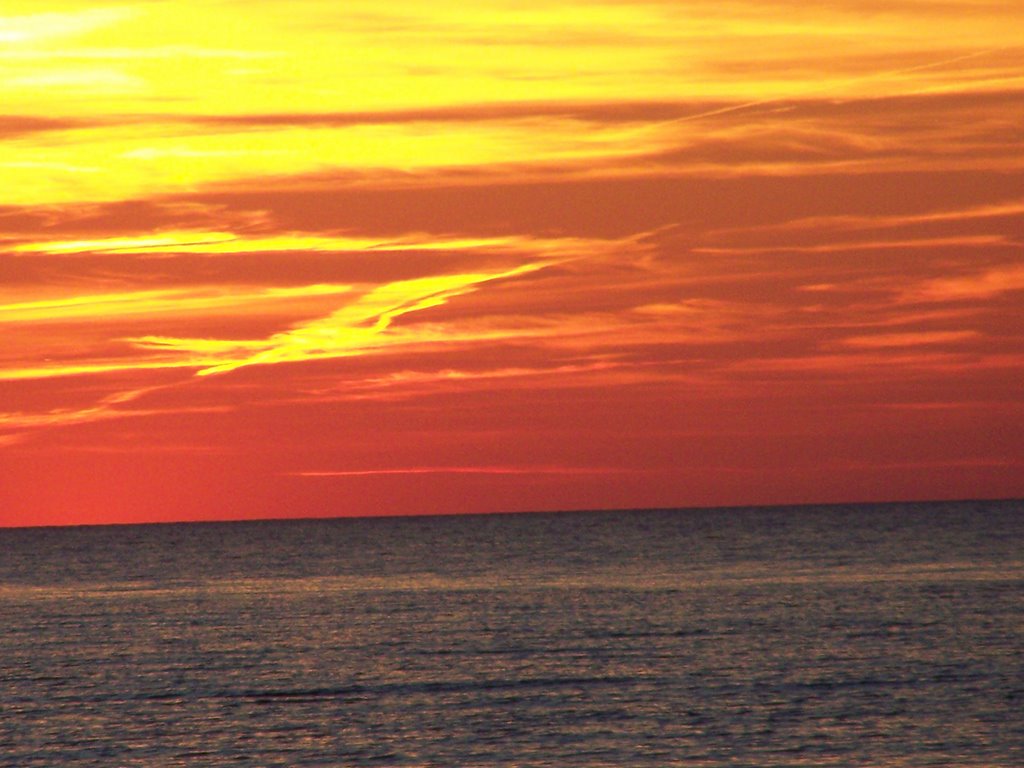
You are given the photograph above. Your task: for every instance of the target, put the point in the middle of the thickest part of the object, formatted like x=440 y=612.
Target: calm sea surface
x=872 y=635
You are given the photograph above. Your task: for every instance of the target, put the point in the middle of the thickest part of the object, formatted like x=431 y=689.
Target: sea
x=857 y=635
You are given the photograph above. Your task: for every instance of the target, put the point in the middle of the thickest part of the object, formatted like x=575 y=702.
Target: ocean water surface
x=866 y=635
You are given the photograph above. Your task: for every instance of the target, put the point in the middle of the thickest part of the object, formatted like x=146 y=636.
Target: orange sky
x=303 y=258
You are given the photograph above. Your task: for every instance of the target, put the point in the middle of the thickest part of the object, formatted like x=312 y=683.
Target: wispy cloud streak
x=359 y=326
x=19 y=425
x=482 y=470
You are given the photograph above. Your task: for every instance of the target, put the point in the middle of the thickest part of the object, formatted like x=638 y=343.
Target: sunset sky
x=297 y=258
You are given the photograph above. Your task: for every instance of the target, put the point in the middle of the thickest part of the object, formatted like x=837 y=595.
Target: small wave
x=428 y=687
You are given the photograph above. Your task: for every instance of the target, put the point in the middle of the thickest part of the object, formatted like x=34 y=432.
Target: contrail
x=811 y=91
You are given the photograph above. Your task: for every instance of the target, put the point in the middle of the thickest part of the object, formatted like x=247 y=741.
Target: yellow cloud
x=32 y=28
x=140 y=160
x=145 y=303
x=146 y=76
x=350 y=330
x=207 y=242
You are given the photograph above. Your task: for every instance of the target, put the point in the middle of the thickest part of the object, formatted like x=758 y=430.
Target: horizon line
x=504 y=512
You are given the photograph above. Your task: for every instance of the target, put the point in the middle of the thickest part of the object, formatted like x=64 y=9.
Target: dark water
x=853 y=636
